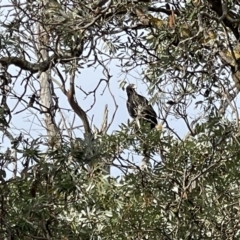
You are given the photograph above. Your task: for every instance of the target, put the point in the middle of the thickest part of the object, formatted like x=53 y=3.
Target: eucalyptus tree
x=55 y=173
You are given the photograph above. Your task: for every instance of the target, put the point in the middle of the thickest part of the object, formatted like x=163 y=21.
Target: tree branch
x=220 y=9
x=42 y=66
x=77 y=109
x=25 y=65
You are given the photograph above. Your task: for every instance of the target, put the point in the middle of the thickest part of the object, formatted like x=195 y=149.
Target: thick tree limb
x=41 y=66
x=25 y=65
x=75 y=106
x=220 y=9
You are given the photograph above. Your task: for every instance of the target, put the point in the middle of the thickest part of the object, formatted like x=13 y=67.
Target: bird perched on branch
x=139 y=108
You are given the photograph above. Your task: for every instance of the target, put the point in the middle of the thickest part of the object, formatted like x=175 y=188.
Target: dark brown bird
x=139 y=108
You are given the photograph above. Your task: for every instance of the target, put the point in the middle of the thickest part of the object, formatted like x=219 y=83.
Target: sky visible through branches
x=93 y=97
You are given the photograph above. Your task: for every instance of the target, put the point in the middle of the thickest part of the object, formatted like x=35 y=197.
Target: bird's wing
x=131 y=109
x=141 y=99
x=151 y=111
x=147 y=107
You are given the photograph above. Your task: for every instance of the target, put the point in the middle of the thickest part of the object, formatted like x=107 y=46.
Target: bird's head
x=131 y=88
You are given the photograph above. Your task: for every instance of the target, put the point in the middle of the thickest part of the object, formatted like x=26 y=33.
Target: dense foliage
x=55 y=179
